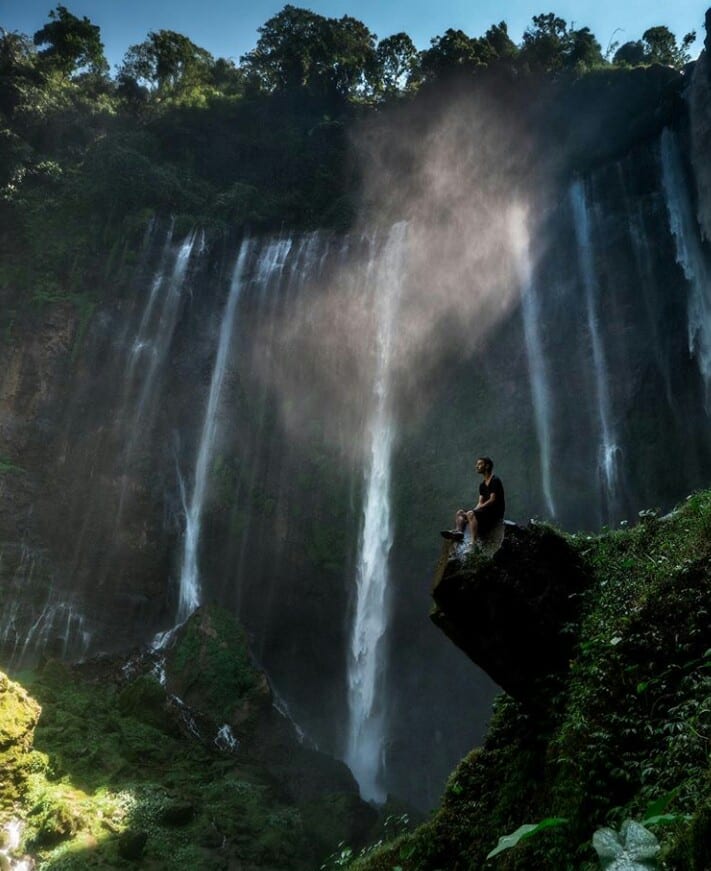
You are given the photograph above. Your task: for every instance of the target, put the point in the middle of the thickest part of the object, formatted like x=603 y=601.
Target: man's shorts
x=486 y=520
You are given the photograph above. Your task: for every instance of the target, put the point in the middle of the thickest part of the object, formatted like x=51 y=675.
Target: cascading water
x=366 y=659
x=609 y=453
x=267 y=274
x=690 y=256
x=150 y=347
x=157 y=349
x=537 y=369
x=142 y=335
x=189 y=596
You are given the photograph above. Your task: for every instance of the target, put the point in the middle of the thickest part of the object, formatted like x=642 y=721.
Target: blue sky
x=228 y=28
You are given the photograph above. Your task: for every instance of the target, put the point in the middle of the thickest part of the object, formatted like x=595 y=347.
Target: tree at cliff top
x=300 y=49
x=657 y=46
x=551 y=45
x=169 y=64
x=72 y=45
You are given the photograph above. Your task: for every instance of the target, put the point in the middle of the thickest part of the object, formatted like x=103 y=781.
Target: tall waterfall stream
x=367 y=660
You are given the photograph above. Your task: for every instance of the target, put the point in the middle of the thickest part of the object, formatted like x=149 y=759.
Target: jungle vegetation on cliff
x=625 y=730
x=86 y=158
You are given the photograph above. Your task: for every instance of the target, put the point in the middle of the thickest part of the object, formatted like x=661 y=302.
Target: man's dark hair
x=488 y=463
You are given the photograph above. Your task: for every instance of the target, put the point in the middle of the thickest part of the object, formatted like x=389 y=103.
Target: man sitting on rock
x=489 y=511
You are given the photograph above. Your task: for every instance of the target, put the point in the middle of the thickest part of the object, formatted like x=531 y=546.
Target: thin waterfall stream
x=189 y=596
x=689 y=255
x=366 y=659
x=538 y=372
x=609 y=453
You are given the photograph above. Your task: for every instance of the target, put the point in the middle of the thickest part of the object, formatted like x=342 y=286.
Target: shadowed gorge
x=258 y=320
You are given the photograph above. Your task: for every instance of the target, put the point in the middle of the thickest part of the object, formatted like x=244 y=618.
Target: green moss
x=7 y=467
x=105 y=774
x=145 y=700
x=212 y=663
x=18 y=717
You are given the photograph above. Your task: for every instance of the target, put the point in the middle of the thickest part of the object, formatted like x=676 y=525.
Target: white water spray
x=190 y=575
x=609 y=449
x=365 y=703
x=537 y=369
x=158 y=348
x=690 y=256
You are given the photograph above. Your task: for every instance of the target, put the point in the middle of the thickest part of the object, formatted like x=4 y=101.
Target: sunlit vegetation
x=86 y=157
x=103 y=768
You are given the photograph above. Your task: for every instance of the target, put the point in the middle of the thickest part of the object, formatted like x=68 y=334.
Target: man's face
x=480 y=467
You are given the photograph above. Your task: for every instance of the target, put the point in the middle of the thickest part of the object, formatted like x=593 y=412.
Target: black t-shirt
x=498 y=509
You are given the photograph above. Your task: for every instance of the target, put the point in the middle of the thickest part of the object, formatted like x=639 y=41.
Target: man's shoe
x=452 y=535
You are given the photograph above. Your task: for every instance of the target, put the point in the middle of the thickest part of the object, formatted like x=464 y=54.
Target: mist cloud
x=452 y=173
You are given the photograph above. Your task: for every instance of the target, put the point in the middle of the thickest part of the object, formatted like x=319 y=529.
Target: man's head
x=484 y=465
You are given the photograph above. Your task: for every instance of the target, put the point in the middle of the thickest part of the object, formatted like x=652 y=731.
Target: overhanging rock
x=515 y=613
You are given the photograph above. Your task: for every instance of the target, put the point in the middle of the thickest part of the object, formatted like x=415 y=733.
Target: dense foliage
x=627 y=729
x=104 y=767
x=86 y=158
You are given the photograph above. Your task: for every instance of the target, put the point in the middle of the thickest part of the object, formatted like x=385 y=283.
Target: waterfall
x=537 y=369
x=152 y=341
x=268 y=271
x=365 y=664
x=158 y=347
x=142 y=334
x=690 y=256
x=609 y=451
x=189 y=598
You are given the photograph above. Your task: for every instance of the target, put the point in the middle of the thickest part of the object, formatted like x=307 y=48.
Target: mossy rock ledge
x=526 y=597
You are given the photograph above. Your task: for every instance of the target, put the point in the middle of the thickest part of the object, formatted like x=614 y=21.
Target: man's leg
x=460 y=522
x=473 y=524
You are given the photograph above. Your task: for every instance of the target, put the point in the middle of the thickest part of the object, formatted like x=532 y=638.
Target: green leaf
x=666 y=819
x=523 y=833
x=659 y=805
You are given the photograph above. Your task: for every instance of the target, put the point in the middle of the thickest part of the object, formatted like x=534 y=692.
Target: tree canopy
x=657 y=46
x=300 y=49
x=167 y=61
x=551 y=45
x=71 y=44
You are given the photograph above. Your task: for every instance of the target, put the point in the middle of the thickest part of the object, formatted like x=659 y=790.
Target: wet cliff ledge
x=623 y=726
x=514 y=614
x=118 y=768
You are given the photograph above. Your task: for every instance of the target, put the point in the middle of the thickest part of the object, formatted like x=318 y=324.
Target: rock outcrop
x=19 y=714
x=210 y=669
x=513 y=614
